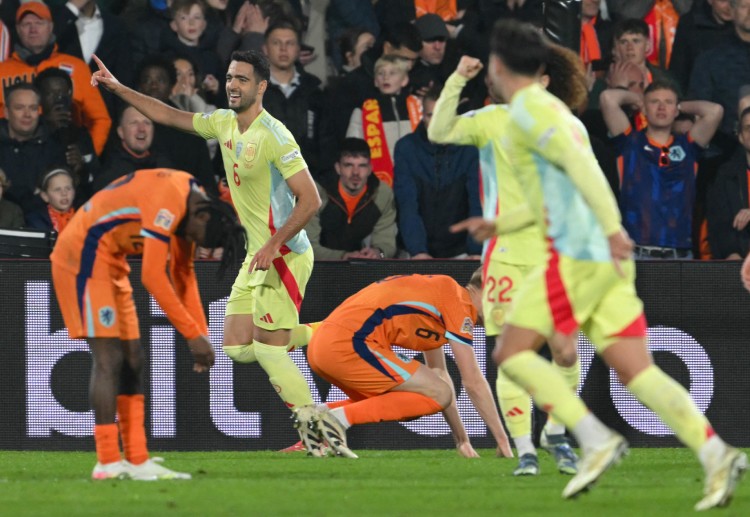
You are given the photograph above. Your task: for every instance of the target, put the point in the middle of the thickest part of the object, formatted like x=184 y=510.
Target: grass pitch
x=660 y=482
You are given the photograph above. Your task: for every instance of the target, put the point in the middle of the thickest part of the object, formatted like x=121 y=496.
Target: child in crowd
x=391 y=114
x=11 y=215
x=188 y=26
x=58 y=192
x=187 y=96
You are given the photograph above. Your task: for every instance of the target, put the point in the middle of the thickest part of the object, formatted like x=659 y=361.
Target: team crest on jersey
x=250 y=151
x=164 y=219
x=107 y=316
x=677 y=153
x=468 y=326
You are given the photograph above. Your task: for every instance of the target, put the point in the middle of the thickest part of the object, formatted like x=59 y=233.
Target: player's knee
x=241 y=353
x=443 y=394
x=565 y=358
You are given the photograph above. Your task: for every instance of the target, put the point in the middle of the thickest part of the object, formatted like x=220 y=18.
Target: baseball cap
x=37 y=8
x=431 y=26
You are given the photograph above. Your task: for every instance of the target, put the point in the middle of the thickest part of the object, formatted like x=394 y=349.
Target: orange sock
x=107 y=443
x=394 y=405
x=339 y=403
x=131 y=413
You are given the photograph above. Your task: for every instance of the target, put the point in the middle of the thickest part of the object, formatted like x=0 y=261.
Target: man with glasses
x=657 y=166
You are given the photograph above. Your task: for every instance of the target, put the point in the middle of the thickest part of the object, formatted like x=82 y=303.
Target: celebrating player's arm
x=509 y=221
x=152 y=108
x=308 y=201
x=447 y=126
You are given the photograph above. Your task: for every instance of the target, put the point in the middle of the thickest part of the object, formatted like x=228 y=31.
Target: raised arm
x=611 y=102
x=154 y=109
x=446 y=126
x=707 y=115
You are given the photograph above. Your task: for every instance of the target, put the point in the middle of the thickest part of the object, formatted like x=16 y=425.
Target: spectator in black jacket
x=132 y=151
x=56 y=91
x=357 y=217
x=294 y=96
x=27 y=149
x=728 y=210
x=701 y=29
x=718 y=74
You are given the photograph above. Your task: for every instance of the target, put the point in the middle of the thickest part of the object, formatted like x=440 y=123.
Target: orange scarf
x=590 y=50
x=446 y=9
x=60 y=219
x=662 y=21
x=372 y=127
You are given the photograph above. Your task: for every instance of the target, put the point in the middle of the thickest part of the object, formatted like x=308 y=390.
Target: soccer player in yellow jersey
x=265 y=172
x=509 y=258
x=587 y=280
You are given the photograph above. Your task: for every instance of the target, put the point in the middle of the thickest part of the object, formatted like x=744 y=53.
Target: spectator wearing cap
x=432 y=67
x=35 y=51
x=347 y=93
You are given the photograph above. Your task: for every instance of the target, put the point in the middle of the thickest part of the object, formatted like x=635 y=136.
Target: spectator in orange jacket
x=37 y=51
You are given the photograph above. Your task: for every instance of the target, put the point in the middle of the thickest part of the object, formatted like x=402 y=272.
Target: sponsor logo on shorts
x=107 y=316
x=266 y=318
x=164 y=219
x=468 y=326
x=288 y=157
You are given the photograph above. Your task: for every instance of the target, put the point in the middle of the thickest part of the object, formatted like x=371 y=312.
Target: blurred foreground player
x=588 y=280
x=508 y=259
x=353 y=349
x=161 y=214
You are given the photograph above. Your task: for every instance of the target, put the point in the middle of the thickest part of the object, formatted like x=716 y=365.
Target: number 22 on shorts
x=497 y=289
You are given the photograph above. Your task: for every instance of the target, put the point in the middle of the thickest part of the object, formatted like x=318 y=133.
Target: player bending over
x=161 y=214
x=353 y=349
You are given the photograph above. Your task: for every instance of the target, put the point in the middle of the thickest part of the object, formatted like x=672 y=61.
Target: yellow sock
x=300 y=335
x=515 y=405
x=572 y=376
x=284 y=375
x=668 y=399
x=546 y=386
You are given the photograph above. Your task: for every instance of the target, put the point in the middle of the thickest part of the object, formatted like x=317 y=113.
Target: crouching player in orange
x=162 y=214
x=353 y=349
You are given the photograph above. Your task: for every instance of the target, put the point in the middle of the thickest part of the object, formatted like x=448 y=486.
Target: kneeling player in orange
x=161 y=214
x=353 y=349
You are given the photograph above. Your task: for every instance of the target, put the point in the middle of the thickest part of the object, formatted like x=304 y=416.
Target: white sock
x=524 y=445
x=554 y=428
x=591 y=432
x=341 y=417
x=712 y=449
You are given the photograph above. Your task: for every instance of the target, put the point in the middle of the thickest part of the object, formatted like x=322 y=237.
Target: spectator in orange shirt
x=36 y=51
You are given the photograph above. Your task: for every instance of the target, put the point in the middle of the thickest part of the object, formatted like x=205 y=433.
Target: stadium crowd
x=668 y=81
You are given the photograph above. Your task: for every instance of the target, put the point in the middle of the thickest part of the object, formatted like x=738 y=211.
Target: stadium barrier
x=697 y=312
